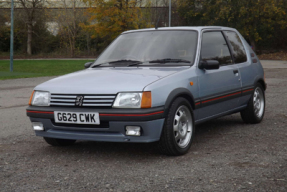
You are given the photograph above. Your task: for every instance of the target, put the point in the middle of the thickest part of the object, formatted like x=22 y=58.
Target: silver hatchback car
x=153 y=85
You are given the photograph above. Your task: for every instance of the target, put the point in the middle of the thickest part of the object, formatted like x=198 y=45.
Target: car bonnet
x=106 y=80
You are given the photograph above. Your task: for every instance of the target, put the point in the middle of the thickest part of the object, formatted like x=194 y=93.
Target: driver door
x=219 y=89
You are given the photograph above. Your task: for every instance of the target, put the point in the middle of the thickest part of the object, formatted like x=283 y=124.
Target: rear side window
x=214 y=47
x=236 y=46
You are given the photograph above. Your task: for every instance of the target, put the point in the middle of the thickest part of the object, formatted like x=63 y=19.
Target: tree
x=69 y=20
x=253 y=18
x=192 y=11
x=108 y=18
x=4 y=31
x=30 y=8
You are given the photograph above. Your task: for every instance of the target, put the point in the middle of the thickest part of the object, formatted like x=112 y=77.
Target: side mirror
x=209 y=64
x=87 y=65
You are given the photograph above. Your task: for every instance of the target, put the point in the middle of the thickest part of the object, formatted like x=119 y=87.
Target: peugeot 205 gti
x=153 y=85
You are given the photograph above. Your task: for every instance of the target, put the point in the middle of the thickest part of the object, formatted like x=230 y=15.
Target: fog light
x=38 y=126
x=133 y=130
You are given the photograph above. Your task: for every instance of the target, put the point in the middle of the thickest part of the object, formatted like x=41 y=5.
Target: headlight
x=133 y=100
x=39 y=98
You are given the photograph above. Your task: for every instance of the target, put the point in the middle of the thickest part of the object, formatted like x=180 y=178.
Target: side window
x=236 y=46
x=214 y=47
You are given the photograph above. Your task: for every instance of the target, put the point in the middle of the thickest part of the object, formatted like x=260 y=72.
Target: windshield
x=151 y=45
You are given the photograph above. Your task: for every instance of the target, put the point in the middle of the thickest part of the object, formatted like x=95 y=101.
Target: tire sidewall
x=258 y=119
x=171 y=114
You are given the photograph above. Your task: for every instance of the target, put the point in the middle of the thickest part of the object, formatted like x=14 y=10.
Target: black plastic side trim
x=220 y=115
x=221 y=98
x=217 y=98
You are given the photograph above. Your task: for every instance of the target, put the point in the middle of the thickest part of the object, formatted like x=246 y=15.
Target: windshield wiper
x=169 y=60
x=135 y=62
x=97 y=65
x=161 y=61
x=124 y=61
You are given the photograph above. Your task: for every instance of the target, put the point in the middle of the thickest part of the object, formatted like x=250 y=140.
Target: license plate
x=77 y=117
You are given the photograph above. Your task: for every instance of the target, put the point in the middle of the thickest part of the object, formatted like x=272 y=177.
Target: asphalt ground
x=226 y=155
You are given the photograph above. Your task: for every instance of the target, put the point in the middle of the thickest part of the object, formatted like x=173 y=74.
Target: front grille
x=99 y=100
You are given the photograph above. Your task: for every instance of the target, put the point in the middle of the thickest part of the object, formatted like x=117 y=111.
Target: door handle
x=236 y=73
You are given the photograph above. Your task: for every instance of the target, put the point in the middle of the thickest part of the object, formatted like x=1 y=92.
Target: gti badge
x=79 y=100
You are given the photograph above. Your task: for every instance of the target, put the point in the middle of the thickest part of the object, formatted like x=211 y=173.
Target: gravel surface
x=227 y=155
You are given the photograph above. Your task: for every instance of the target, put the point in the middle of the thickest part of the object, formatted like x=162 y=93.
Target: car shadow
x=204 y=132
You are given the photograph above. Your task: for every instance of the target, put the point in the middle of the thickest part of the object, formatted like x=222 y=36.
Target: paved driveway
x=227 y=155
x=268 y=64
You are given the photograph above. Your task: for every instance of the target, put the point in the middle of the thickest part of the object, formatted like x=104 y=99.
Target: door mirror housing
x=208 y=64
x=87 y=65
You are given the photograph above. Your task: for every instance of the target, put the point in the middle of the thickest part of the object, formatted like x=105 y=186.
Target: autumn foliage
x=109 y=18
x=85 y=27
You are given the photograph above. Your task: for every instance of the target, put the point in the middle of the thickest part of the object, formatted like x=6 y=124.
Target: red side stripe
x=148 y=114
x=221 y=97
x=45 y=112
x=102 y=114
x=247 y=90
x=131 y=115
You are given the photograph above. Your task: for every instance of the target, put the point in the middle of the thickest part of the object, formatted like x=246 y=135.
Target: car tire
x=178 y=129
x=59 y=142
x=255 y=110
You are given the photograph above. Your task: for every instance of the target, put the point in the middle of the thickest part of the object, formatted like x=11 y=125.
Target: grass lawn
x=39 y=68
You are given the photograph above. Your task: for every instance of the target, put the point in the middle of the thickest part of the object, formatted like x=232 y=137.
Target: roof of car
x=197 y=28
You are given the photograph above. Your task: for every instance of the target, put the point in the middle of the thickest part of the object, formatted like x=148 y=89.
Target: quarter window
x=214 y=47
x=236 y=46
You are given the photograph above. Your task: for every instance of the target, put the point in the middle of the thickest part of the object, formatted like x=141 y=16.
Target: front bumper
x=111 y=129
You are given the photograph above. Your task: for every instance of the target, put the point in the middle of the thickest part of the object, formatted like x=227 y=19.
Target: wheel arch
x=262 y=83
x=179 y=92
